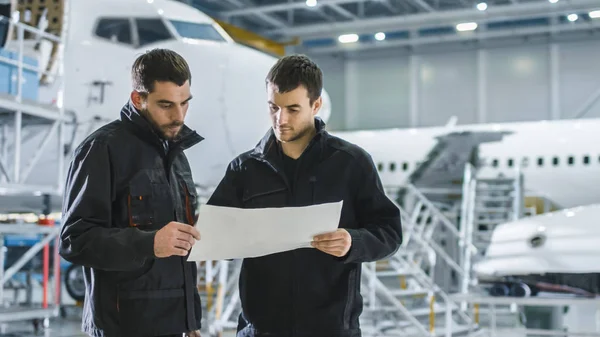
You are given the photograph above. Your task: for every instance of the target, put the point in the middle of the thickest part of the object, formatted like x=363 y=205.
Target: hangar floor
x=70 y=326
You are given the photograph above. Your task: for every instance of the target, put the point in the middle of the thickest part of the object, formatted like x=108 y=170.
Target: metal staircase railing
x=486 y=203
x=412 y=305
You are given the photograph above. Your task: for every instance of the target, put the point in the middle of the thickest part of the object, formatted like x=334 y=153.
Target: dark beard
x=157 y=128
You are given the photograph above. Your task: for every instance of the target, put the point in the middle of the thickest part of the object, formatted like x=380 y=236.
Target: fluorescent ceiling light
x=348 y=38
x=553 y=1
x=572 y=17
x=595 y=14
x=482 y=6
x=461 y=27
x=311 y=3
x=380 y=36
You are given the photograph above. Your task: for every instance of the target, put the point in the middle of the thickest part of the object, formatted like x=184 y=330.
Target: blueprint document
x=234 y=233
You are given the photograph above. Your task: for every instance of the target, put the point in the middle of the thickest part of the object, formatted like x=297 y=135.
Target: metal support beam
x=482 y=79
x=432 y=19
x=554 y=81
x=587 y=105
x=262 y=15
x=454 y=38
x=17 y=163
x=415 y=66
x=423 y=5
x=389 y=6
x=351 y=93
x=343 y=12
x=283 y=7
x=39 y=151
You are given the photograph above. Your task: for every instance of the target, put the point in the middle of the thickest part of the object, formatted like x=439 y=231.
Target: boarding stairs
x=486 y=203
x=403 y=295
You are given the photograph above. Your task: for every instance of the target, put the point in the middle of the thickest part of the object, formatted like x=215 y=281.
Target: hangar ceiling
x=335 y=25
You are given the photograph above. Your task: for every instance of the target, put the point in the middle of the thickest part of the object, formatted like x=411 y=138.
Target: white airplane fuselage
x=562 y=160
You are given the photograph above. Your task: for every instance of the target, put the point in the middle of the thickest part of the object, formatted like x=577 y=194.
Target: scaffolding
x=29 y=125
x=31 y=59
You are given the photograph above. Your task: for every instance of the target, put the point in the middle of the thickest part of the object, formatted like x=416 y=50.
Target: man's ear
x=317 y=105
x=138 y=99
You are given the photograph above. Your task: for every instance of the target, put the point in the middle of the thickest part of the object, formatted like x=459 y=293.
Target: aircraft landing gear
x=513 y=289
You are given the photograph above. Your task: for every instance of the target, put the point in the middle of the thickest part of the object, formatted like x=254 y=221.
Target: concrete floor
x=70 y=326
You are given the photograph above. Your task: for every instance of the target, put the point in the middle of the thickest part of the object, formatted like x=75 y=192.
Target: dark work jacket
x=122 y=187
x=306 y=292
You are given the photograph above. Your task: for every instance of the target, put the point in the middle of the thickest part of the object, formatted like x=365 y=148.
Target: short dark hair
x=294 y=70
x=162 y=65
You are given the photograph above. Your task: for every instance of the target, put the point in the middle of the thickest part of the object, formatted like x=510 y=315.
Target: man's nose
x=178 y=113
x=282 y=117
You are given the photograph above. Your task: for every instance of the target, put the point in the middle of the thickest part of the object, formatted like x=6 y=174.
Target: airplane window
x=540 y=161
x=380 y=167
x=151 y=30
x=586 y=160
x=510 y=163
x=571 y=160
x=555 y=161
x=495 y=163
x=525 y=162
x=115 y=30
x=197 y=31
x=392 y=167
x=405 y=166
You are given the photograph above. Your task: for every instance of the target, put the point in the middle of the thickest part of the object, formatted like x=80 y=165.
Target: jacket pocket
x=151 y=312
x=163 y=273
x=139 y=205
x=191 y=202
x=149 y=202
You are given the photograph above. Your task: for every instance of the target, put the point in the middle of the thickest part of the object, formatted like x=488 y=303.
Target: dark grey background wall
x=528 y=81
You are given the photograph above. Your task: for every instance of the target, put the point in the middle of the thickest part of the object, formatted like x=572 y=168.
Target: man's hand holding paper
x=233 y=233
x=336 y=243
x=175 y=239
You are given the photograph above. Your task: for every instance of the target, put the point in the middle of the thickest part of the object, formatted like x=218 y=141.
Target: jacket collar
x=268 y=146
x=131 y=116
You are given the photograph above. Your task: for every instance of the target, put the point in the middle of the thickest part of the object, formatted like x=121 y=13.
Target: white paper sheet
x=233 y=233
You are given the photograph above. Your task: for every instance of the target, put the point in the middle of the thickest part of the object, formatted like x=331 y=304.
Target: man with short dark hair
x=308 y=292
x=129 y=210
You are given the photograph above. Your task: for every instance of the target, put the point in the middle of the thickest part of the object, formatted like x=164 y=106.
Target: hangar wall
x=395 y=88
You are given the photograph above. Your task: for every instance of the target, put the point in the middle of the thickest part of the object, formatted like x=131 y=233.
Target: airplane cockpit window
x=115 y=30
x=197 y=31
x=151 y=31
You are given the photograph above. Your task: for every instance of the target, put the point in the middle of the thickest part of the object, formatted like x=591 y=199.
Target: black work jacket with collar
x=306 y=292
x=122 y=187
